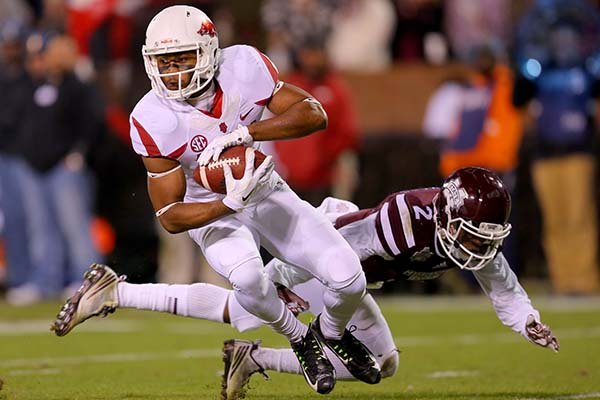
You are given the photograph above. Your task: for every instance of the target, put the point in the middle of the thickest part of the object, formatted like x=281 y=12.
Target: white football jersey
x=245 y=82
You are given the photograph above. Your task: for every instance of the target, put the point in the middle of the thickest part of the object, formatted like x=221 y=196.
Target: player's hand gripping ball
x=211 y=176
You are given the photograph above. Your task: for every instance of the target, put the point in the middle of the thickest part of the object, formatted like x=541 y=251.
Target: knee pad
x=343 y=268
x=356 y=287
x=348 y=297
x=249 y=278
x=255 y=292
x=241 y=319
x=389 y=364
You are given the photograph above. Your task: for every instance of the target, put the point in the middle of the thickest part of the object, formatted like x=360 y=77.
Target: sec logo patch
x=198 y=143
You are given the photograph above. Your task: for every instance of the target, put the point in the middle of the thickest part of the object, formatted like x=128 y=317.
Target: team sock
x=284 y=360
x=199 y=300
x=289 y=326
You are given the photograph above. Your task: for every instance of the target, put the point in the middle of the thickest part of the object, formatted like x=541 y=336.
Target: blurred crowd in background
x=414 y=89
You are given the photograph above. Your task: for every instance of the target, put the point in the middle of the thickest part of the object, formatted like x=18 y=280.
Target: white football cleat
x=239 y=367
x=97 y=295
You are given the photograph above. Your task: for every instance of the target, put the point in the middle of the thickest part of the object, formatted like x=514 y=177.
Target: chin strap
x=204 y=94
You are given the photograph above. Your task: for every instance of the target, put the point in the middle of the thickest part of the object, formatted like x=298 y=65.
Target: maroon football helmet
x=471 y=217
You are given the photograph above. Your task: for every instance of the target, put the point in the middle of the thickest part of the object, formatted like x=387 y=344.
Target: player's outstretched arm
x=166 y=188
x=297 y=114
x=512 y=304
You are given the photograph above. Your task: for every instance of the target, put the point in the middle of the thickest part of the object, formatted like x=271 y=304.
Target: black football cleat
x=315 y=365
x=355 y=356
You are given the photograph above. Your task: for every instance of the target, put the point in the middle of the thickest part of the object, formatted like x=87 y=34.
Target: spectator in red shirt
x=323 y=163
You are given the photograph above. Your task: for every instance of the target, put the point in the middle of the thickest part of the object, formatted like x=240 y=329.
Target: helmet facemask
x=202 y=73
x=468 y=245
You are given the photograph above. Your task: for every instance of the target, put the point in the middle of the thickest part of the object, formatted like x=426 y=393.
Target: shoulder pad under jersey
x=152 y=123
x=247 y=70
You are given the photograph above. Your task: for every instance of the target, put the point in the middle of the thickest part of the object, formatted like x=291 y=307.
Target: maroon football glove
x=541 y=334
x=292 y=301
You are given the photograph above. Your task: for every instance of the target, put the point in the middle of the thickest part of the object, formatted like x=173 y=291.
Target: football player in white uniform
x=203 y=100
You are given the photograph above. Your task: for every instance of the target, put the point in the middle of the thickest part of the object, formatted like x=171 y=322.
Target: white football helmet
x=176 y=29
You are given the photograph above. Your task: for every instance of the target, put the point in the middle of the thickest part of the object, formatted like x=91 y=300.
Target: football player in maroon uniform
x=414 y=235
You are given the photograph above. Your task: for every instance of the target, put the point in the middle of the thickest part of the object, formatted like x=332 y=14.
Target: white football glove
x=240 y=191
x=541 y=334
x=240 y=136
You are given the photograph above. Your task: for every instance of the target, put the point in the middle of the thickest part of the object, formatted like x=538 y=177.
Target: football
x=211 y=176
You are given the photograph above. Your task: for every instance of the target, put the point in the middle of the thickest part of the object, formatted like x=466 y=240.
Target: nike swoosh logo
x=243 y=117
x=246 y=197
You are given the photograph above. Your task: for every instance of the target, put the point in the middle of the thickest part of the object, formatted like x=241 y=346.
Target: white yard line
x=451 y=374
x=108 y=358
x=475 y=339
x=116 y=325
x=190 y=328
x=462 y=303
x=42 y=326
x=595 y=395
x=17 y=328
x=401 y=341
x=34 y=371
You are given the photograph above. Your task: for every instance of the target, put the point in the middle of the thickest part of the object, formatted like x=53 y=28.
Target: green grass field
x=450 y=349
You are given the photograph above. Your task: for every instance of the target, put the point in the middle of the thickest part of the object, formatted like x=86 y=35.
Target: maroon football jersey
x=406 y=229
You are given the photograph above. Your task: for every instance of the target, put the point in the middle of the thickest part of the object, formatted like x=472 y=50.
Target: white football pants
x=295 y=232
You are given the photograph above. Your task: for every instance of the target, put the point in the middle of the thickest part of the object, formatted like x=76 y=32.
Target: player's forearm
x=185 y=216
x=510 y=300
x=301 y=119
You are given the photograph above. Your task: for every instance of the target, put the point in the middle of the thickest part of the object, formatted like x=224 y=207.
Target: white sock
x=284 y=360
x=199 y=300
x=289 y=326
x=280 y=360
x=241 y=319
